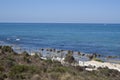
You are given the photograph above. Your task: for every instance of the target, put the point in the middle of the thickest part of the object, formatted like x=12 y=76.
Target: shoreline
x=81 y=58
x=105 y=58
x=108 y=58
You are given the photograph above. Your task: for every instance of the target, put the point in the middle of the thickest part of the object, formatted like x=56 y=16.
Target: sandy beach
x=97 y=64
x=55 y=54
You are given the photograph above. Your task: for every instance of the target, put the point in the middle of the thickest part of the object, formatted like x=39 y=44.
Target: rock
x=36 y=77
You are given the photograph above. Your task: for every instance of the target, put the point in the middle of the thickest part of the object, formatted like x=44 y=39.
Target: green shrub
x=60 y=69
x=10 y=58
x=26 y=59
x=2 y=69
x=2 y=76
x=99 y=60
x=69 y=58
x=36 y=55
x=49 y=61
x=19 y=68
x=9 y=63
x=7 y=49
x=34 y=69
x=25 y=53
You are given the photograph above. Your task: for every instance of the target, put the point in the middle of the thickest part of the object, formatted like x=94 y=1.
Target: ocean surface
x=89 y=38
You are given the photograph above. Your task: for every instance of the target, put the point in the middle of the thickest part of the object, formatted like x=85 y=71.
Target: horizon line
x=56 y=23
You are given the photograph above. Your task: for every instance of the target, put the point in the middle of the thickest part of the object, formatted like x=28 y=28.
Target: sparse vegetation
x=99 y=60
x=69 y=57
x=16 y=67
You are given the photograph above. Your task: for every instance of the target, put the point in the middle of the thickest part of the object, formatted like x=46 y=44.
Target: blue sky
x=60 y=11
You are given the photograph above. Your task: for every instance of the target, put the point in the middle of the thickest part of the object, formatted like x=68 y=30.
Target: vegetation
x=99 y=60
x=69 y=57
x=25 y=67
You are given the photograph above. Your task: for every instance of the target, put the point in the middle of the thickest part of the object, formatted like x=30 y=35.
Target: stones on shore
x=94 y=55
x=70 y=57
x=51 y=52
x=42 y=49
x=112 y=57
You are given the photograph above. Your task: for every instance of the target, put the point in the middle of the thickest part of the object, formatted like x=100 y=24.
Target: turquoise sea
x=90 y=38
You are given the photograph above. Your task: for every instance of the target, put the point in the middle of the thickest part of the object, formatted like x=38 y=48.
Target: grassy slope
x=25 y=67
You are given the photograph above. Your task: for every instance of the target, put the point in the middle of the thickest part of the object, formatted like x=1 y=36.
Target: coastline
x=82 y=59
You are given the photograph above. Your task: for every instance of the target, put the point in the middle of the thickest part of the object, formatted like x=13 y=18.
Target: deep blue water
x=89 y=38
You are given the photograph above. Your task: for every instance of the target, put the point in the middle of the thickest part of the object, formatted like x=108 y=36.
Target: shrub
x=2 y=76
x=54 y=76
x=23 y=68
x=19 y=68
x=10 y=58
x=49 y=61
x=17 y=71
x=69 y=58
x=9 y=63
x=2 y=69
x=0 y=47
x=66 y=76
x=59 y=69
x=99 y=60
x=26 y=59
x=25 y=53
x=79 y=68
x=36 y=55
x=7 y=49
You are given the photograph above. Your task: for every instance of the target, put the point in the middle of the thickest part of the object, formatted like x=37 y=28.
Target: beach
x=82 y=59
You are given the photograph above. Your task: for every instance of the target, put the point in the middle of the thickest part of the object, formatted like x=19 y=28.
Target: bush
x=2 y=69
x=54 y=76
x=2 y=76
x=25 y=53
x=49 y=61
x=59 y=69
x=18 y=69
x=9 y=63
x=10 y=58
x=0 y=47
x=36 y=55
x=99 y=60
x=26 y=59
x=69 y=58
x=7 y=49
x=79 y=68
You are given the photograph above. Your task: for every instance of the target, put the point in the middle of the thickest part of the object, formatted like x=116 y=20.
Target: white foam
x=17 y=39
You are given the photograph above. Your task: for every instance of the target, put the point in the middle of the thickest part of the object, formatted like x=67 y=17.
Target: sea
x=84 y=37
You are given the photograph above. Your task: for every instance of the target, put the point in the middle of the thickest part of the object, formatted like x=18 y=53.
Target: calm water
x=89 y=38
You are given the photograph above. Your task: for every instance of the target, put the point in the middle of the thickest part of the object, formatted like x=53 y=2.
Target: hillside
x=14 y=66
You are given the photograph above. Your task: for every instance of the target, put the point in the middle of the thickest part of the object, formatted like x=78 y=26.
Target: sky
x=60 y=11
